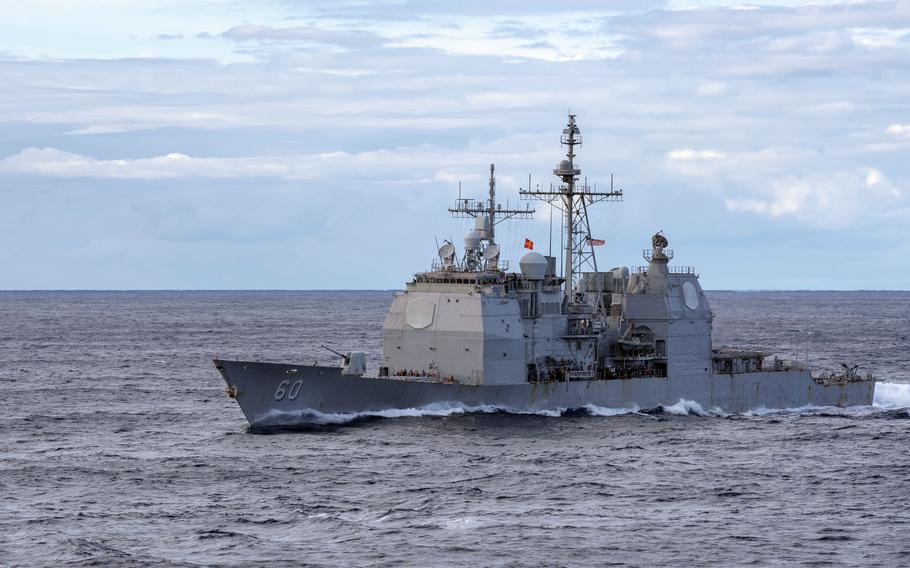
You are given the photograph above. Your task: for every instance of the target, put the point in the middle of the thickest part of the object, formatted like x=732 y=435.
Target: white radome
x=472 y=240
x=533 y=265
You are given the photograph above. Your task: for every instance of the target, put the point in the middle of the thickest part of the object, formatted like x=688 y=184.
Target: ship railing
x=581 y=328
x=582 y=188
x=835 y=378
x=776 y=364
x=648 y=254
x=562 y=374
x=438 y=266
x=563 y=188
x=731 y=362
x=685 y=270
x=594 y=372
x=526 y=287
x=581 y=310
x=632 y=373
x=580 y=375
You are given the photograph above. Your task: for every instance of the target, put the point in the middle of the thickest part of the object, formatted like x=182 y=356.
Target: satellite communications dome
x=533 y=265
x=472 y=240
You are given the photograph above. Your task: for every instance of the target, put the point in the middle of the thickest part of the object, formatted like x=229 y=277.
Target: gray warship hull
x=282 y=395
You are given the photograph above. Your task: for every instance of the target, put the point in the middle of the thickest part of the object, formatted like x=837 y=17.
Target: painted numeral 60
x=291 y=393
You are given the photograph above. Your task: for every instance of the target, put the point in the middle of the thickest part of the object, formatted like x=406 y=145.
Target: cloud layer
x=774 y=125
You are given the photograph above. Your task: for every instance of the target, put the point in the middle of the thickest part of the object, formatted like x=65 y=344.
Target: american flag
x=596 y=242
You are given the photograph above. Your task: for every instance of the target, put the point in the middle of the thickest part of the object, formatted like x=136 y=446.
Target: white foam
x=887 y=396
x=763 y=411
x=314 y=417
x=595 y=410
x=542 y=412
x=462 y=523
x=890 y=396
x=684 y=408
x=309 y=416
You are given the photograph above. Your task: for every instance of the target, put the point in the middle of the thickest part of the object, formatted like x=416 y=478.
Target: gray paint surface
x=325 y=390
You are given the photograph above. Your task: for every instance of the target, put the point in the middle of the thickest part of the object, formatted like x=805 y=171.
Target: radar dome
x=533 y=265
x=482 y=224
x=472 y=240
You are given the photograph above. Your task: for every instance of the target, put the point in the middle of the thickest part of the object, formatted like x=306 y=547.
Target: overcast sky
x=317 y=145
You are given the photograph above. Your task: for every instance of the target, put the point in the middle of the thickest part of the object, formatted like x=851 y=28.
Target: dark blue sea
x=118 y=447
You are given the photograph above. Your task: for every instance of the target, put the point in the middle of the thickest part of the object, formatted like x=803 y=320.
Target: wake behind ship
x=469 y=333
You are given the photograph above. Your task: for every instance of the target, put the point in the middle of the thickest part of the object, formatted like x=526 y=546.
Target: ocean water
x=118 y=447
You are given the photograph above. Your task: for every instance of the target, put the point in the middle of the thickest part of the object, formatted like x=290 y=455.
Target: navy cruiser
x=470 y=333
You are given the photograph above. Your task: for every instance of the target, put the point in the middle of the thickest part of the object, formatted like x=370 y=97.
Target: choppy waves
x=305 y=417
x=888 y=397
x=120 y=459
x=308 y=416
x=891 y=396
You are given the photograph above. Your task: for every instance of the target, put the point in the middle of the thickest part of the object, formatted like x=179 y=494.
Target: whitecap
x=764 y=411
x=890 y=396
x=462 y=523
x=684 y=408
x=314 y=417
x=595 y=410
x=887 y=396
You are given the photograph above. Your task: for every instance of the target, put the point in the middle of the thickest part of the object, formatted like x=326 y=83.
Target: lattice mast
x=573 y=200
x=492 y=211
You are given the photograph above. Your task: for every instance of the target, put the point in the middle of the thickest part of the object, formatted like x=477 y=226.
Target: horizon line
x=400 y=290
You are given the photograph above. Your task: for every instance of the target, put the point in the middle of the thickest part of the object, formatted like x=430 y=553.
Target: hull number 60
x=287 y=390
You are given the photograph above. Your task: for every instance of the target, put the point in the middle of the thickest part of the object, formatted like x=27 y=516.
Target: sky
x=263 y=144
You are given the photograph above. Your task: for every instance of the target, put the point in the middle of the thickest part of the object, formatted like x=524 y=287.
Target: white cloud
x=557 y=36
x=406 y=165
x=833 y=107
x=876 y=180
x=739 y=167
x=712 y=88
x=308 y=34
x=833 y=201
x=57 y=163
x=735 y=104
x=688 y=154
x=878 y=38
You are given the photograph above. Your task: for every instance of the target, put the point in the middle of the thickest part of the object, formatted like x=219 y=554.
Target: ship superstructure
x=471 y=321
x=470 y=332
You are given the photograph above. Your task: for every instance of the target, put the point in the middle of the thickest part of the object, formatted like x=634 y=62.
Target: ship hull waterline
x=283 y=395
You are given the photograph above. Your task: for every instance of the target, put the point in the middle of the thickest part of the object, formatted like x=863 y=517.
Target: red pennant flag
x=529 y=244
